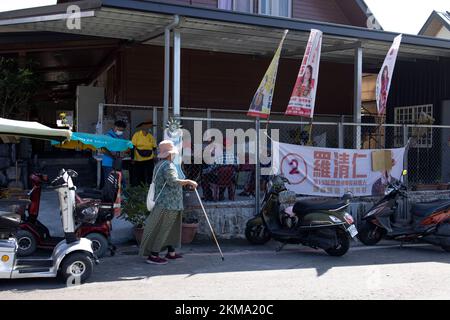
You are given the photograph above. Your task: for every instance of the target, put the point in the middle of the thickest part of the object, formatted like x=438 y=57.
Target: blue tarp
x=100 y=141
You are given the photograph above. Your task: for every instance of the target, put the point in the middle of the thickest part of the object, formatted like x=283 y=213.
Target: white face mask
x=119 y=133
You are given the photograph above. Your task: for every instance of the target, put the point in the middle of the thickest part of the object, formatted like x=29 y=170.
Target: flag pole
x=267 y=123
x=379 y=122
x=258 y=168
x=260 y=106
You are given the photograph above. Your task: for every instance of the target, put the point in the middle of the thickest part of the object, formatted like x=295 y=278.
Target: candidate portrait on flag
x=385 y=76
x=303 y=95
x=306 y=85
x=262 y=100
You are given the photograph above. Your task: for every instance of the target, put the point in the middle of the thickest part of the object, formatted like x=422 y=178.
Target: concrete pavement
x=386 y=271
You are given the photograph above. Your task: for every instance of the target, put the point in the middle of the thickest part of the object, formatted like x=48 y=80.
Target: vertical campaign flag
x=262 y=100
x=304 y=94
x=385 y=76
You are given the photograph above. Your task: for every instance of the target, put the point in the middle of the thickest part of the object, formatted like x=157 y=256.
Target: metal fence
x=427 y=159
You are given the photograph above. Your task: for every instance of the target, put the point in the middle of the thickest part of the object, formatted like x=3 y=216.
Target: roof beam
x=342 y=47
x=273 y=22
x=65 y=69
x=327 y=49
x=53 y=17
x=158 y=32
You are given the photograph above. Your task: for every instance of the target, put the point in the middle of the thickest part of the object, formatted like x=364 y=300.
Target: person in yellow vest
x=143 y=154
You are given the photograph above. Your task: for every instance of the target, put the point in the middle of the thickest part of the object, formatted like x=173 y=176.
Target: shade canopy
x=95 y=141
x=30 y=129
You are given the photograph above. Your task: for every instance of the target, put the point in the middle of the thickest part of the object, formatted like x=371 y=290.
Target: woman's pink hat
x=166 y=147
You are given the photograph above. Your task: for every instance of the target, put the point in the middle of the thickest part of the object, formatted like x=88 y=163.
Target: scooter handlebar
x=285 y=180
x=54 y=187
x=58 y=182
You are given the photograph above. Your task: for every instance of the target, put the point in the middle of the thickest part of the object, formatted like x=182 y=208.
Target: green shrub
x=135 y=208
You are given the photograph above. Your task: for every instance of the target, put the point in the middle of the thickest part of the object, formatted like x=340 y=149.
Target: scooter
x=430 y=220
x=33 y=234
x=323 y=224
x=72 y=258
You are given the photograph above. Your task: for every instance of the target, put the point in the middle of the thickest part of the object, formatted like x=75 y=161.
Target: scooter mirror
x=72 y=173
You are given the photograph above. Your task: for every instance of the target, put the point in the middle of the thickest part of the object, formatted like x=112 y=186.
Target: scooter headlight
x=87 y=214
x=388 y=190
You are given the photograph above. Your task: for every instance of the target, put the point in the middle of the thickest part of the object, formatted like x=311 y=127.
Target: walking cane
x=209 y=223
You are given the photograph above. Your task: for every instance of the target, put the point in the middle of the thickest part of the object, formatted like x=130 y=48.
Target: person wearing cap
x=109 y=157
x=143 y=154
x=163 y=226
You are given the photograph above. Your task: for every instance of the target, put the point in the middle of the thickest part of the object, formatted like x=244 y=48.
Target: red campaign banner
x=332 y=172
x=303 y=95
x=385 y=76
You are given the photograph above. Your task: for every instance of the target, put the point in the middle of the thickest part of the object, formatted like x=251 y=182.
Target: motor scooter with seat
x=430 y=221
x=72 y=258
x=94 y=211
x=323 y=224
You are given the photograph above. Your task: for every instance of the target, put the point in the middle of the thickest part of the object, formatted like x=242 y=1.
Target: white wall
x=443 y=33
x=88 y=99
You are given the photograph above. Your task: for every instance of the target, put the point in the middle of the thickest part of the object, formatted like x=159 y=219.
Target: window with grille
x=236 y=5
x=278 y=8
x=422 y=136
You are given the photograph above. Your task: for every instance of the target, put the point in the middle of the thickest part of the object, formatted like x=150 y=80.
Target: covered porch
x=156 y=54
x=199 y=62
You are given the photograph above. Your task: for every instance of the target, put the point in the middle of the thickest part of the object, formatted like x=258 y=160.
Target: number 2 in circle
x=294 y=164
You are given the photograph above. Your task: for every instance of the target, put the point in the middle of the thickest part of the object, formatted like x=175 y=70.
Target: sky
x=403 y=16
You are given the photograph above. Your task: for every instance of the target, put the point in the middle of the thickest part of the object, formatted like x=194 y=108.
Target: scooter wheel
x=343 y=244
x=99 y=244
x=26 y=243
x=370 y=234
x=257 y=234
x=76 y=267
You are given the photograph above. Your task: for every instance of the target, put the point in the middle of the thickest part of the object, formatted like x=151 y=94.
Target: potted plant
x=135 y=209
x=188 y=229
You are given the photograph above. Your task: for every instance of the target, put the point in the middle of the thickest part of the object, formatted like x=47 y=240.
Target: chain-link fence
x=232 y=175
x=428 y=154
x=223 y=159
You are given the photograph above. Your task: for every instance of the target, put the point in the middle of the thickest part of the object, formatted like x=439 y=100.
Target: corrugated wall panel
x=319 y=10
x=417 y=83
x=217 y=80
x=205 y=3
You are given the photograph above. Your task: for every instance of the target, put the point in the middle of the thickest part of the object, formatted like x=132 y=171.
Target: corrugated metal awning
x=216 y=30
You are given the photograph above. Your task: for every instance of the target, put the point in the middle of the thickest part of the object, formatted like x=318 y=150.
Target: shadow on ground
x=201 y=258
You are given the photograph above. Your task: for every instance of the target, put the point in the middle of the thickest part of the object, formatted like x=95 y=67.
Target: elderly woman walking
x=163 y=225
